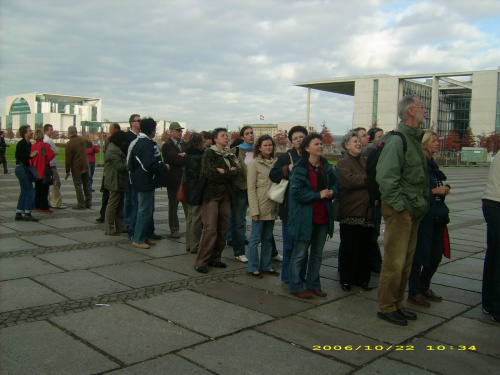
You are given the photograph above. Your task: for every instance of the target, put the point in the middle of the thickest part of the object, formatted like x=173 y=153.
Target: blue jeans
x=262 y=232
x=317 y=243
x=491 y=274
x=91 y=173
x=26 y=201
x=238 y=221
x=287 y=255
x=145 y=209
x=128 y=205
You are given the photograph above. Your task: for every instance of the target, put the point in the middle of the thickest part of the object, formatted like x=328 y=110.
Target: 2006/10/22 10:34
x=394 y=347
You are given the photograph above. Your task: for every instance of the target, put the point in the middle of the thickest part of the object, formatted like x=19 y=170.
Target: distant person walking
x=91 y=151
x=77 y=165
x=3 y=149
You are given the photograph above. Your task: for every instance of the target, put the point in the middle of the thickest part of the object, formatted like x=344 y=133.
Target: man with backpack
x=403 y=180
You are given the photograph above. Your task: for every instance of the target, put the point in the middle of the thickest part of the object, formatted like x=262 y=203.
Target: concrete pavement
x=74 y=301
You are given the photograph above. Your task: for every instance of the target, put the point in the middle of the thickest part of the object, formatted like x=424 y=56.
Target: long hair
x=262 y=138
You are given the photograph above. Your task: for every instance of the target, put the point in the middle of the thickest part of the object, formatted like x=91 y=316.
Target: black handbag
x=31 y=172
x=48 y=176
x=441 y=212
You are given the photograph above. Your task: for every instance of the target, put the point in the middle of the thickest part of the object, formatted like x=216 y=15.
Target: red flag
x=262 y=117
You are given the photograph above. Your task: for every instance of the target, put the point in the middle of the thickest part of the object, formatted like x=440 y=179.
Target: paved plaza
x=74 y=301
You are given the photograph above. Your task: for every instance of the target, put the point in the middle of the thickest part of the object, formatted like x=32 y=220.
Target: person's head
x=135 y=123
x=72 y=130
x=365 y=138
x=430 y=142
x=175 y=131
x=25 y=132
x=195 y=142
x=411 y=111
x=312 y=145
x=375 y=133
x=265 y=147
x=236 y=142
x=38 y=135
x=246 y=133
x=148 y=126
x=48 y=129
x=352 y=143
x=207 y=137
x=219 y=137
x=114 y=127
x=296 y=135
x=118 y=138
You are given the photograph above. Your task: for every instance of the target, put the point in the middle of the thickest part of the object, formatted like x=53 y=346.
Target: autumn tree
x=280 y=138
x=469 y=140
x=451 y=141
x=186 y=135
x=55 y=135
x=165 y=136
x=10 y=134
x=491 y=142
x=326 y=135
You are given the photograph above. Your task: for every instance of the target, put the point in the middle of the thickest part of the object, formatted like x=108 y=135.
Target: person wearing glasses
x=365 y=138
x=174 y=154
x=403 y=181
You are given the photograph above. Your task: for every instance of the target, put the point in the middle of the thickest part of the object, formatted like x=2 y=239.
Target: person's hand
x=377 y=203
x=67 y=175
x=34 y=153
x=168 y=166
x=182 y=154
x=221 y=171
x=290 y=167
x=326 y=194
x=441 y=190
x=255 y=217
x=232 y=168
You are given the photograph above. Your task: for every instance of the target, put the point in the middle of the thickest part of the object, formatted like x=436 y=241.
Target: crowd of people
x=221 y=185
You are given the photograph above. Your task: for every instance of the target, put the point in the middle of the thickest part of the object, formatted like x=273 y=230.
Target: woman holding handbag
x=26 y=201
x=429 y=250
x=42 y=163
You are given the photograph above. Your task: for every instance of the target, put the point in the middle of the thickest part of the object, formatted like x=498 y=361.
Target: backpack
x=371 y=166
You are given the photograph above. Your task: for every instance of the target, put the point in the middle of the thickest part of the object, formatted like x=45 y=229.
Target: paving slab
x=184 y=264
x=457 y=281
x=470 y=267
x=50 y=240
x=478 y=314
x=80 y=284
x=448 y=361
x=41 y=348
x=200 y=313
x=259 y=300
x=15 y=244
x=359 y=315
x=138 y=274
x=255 y=353
x=126 y=333
x=67 y=222
x=93 y=235
x=5 y=230
x=19 y=267
x=28 y=226
x=95 y=257
x=464 y=331
x=24 y=293
x=323 y=339
x=163 y=248
x=389 y=366
x=169 y=364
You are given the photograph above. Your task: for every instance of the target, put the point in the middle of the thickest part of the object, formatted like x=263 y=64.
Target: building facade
x=455 y=101
x=273 y=129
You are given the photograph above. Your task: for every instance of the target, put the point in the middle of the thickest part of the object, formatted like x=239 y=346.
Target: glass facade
x=19 y=106
x=375 y=101
x=425 y=95
x=38 y=120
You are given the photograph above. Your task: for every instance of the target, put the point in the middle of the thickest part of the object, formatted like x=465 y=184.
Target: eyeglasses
x=137 y=120
x=420 y=106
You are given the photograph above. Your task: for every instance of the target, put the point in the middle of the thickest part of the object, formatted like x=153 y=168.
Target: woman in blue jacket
x=311 y=215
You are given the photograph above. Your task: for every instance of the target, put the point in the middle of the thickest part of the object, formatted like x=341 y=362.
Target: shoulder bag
x=277 y=191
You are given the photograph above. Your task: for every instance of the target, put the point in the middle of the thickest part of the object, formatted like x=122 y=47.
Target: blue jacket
x=144 y=164
x=302 y=196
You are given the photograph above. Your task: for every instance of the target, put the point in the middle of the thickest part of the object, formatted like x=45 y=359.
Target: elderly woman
x=282 y=170
x=262 y=209
x=116 y=182
x=220 y=168
x=356 y=216
x=311 y=215
x=41 y=163
x=429 y=250
x=26 y=201
x=195 y=148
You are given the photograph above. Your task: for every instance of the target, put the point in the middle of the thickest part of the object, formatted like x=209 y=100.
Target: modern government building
x=456 y=101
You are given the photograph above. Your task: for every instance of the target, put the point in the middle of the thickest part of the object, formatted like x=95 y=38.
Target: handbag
x=277 y=191
x=181 y=193
x=31 y=172
x=441 y=212
x=194 y=191
x=336 y=209
x=446 y=243
x=48 y=176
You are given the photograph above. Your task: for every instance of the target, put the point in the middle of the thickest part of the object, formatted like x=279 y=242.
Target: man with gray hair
x=404 y=188
x=78 y=165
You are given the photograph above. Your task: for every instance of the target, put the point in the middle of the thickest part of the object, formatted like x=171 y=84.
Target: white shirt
x=50 y=142
x=492 y=191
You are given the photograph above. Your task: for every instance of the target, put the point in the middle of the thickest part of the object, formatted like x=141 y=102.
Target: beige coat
x=258 y=184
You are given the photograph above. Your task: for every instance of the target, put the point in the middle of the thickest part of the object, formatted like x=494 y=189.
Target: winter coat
x=115 y=169
x=281 y=171
x=76 y=155
x=403 y=177
x=258 y=184
x=241 y=180
x=91 y=151
x=218 y=183
x=42 y=160
x=170 y=153
x=302 y=196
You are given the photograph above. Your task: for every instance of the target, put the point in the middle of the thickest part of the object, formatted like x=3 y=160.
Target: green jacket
x=115 y=169
x=403 y=177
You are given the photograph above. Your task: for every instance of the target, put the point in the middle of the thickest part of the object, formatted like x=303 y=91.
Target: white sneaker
x=242 y=258
x=278 y=257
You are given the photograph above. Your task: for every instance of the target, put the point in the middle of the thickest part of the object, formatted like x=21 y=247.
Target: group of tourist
x=220 y=185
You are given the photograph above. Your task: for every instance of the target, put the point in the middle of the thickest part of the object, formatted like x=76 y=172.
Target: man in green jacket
x=404 y=188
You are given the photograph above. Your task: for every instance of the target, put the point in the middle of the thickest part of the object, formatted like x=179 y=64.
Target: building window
x=38 y=120
x=375 y=101
x=19 y=106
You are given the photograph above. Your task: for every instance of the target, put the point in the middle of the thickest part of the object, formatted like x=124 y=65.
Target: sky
x=216 y=63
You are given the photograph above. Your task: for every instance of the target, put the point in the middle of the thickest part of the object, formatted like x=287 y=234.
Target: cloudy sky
x=226 y=62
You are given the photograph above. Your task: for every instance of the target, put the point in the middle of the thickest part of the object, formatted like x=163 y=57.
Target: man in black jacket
x=3 y=148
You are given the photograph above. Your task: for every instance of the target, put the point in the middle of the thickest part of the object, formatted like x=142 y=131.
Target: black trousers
x=41 y=195
x=355 y=257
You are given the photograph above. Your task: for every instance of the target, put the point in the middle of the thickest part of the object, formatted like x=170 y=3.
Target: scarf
x=245 y=146
x=225 y=155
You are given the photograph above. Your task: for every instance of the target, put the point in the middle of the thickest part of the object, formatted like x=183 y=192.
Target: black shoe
x=100 y=219
x=218 y=264
x=29 y=217
x=201 y=269
x=407 y=314
x=20 y=217
x=393 y=317
x=346 y=287
x=246 y=242
x=154 y=236
x=366 y=287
